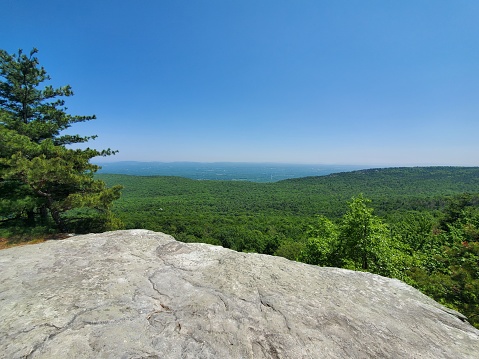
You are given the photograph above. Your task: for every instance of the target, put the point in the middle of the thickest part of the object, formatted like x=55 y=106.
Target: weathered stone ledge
x=141 y=294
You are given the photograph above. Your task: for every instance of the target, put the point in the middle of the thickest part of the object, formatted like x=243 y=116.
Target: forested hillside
x=420 y=225
x=187 y=207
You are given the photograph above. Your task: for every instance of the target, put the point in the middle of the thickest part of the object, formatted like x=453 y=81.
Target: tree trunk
x=56 y=214
x=43 y=214
x=31 y=218
x=57 y=218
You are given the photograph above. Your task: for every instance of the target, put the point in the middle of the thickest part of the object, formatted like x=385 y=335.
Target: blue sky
x=375 y=82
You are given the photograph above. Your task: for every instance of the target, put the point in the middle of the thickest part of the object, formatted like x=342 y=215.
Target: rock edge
x=141 y=294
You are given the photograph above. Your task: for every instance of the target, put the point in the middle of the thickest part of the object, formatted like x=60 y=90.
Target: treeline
x=421 y=227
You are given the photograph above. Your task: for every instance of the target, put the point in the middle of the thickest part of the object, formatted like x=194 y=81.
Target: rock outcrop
x=141 y=294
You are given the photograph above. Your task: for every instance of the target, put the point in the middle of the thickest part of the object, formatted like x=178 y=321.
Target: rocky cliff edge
x=141 y=294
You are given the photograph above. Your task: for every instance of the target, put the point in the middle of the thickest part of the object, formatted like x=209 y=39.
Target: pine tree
x=42 y=178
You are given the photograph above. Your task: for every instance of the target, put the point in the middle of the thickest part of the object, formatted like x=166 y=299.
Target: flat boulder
x=141 y=294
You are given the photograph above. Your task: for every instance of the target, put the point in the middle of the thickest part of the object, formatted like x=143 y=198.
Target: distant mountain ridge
x=404 y=180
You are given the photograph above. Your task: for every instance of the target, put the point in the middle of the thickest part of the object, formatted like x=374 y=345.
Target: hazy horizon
x=230 y=171
x=110 y=159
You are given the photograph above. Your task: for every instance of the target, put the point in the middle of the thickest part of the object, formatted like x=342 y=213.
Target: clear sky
x=379 y=82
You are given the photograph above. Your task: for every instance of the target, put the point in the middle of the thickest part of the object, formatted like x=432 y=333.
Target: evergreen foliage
x=42 y=181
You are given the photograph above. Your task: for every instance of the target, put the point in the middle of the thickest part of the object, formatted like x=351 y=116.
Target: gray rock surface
x=141 y=294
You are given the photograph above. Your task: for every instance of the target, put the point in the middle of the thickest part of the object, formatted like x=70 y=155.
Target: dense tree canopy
x=43 y=180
